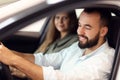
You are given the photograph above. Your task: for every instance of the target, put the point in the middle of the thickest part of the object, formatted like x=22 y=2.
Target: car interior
x=113 y=38
x=24 y=43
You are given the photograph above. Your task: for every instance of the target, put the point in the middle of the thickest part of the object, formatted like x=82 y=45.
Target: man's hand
x=16 y=72
x=6 y=55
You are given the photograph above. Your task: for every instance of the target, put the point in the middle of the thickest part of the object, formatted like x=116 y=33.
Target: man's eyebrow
x=85 y=24
x=88 y=25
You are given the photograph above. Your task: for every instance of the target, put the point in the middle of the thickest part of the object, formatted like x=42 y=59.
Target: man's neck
x=89 y=50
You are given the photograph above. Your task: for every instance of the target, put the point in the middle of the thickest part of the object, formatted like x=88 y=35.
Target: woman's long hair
x=53 y=34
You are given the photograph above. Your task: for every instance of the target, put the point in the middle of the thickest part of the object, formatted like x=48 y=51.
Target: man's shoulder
x=108 y=48
x=74 y=46
x=75 y=43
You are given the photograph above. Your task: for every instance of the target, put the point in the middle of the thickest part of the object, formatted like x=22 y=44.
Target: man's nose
x=80 y=31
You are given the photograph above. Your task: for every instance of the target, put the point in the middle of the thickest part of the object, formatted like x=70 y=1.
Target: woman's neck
x=63 y=34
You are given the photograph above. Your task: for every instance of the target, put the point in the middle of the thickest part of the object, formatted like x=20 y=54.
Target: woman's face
x=62 y=22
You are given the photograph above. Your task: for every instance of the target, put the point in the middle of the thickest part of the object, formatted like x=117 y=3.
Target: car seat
x=114 y=29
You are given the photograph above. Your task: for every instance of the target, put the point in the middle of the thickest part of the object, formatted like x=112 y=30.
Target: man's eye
x=79 y=25
x=88 y=27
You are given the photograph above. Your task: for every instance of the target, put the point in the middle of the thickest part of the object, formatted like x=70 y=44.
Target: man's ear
x=104 y=31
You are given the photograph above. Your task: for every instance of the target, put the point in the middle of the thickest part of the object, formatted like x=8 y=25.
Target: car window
x=78 y=11
x=37 y=26
x=34 y=27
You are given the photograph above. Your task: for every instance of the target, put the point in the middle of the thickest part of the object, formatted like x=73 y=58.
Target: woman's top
x=60 y=44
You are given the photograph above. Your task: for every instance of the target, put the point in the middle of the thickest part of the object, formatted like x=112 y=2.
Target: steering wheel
x=5 y=73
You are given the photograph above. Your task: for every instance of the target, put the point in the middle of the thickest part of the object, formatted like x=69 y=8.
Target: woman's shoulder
x=74 y=37
x=71 y=39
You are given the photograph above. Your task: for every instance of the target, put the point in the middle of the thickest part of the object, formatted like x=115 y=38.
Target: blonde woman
x=61 y=33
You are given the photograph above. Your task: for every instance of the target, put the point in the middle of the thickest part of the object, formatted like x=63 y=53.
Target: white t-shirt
x=69 y=64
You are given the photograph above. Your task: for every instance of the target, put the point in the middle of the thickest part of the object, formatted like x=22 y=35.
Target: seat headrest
x=113 y=32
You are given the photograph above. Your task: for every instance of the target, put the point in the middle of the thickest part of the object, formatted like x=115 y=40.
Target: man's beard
x=89 y=43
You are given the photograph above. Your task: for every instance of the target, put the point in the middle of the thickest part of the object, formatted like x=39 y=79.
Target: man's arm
x=27 y=56
x=33 y=71
x=15 y=71
x=10 y=58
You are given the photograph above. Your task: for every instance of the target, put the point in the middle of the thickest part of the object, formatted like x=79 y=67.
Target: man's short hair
x=105 y=14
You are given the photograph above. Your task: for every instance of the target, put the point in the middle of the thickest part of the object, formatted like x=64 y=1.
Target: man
x=89 y=59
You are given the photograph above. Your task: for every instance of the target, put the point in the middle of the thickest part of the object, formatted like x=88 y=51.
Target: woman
x=61 y=33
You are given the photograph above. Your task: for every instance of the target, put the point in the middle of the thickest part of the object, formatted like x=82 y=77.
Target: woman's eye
x=57 y=17
x=64 y=18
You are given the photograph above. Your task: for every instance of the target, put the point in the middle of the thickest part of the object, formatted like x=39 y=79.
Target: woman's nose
x=60 y=20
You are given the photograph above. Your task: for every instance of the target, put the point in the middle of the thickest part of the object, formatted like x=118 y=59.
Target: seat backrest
x=113 y=32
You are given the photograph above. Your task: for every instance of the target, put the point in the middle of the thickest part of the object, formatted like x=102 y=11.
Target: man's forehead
x=89 y=18
x=93 y=15
x=90 y=14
